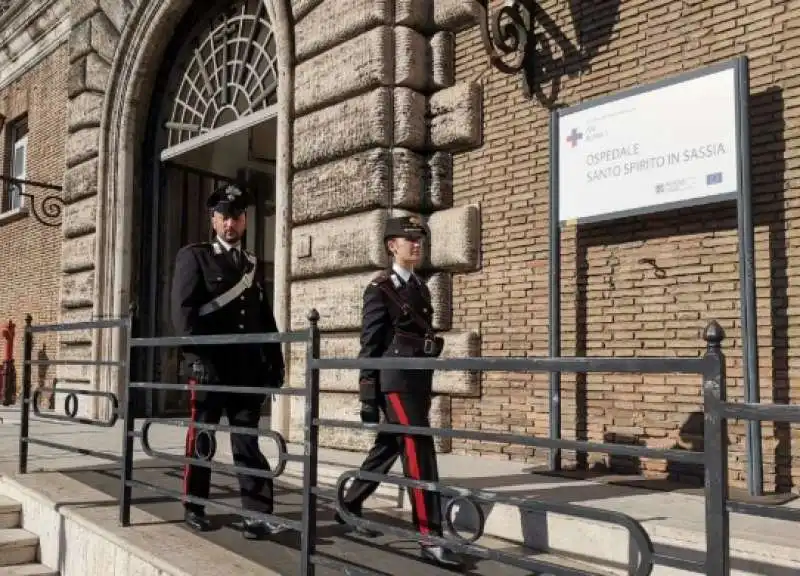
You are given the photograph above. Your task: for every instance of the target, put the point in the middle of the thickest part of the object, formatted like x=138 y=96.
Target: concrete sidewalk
x=674 y=520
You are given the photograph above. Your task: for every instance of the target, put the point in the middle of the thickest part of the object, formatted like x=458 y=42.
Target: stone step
x=10 y=511
x=28 y=570
x=17 y=546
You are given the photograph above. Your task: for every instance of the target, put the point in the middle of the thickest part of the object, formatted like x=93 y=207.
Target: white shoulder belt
x=232 y=293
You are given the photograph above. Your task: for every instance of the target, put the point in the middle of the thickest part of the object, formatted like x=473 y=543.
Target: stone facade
x=33 y=78
x=378 y=141
x=390 y=106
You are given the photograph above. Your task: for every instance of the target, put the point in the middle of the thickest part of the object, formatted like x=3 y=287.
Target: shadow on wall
x=768 y=167
x=47 y=397
x=552 y=52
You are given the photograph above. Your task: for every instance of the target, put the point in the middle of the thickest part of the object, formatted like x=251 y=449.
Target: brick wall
x=614 y=304
x=30 y=253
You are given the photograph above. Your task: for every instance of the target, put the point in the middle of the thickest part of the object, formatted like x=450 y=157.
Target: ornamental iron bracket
x=512 y=32
x=49 y=209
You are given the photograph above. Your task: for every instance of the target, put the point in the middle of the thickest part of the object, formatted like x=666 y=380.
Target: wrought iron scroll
x=49 y=209
x=71 y=406
x=474 y=498
x=203 y=458
x=512 y=32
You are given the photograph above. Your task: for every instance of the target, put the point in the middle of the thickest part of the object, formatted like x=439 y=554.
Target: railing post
x=126 y=413
x=310 y=448
x=25 y=404
x=716 y=455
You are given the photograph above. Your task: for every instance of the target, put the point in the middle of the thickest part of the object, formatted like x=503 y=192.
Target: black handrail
x=710 y=368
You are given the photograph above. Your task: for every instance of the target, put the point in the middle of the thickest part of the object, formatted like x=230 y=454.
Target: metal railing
x=29 y=401
x=710 y=369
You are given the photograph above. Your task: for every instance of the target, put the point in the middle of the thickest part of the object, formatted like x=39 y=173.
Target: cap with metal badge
x=410 y=227
x=229 y=200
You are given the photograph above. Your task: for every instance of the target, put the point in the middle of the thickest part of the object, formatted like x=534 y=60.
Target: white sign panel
x=650 y=151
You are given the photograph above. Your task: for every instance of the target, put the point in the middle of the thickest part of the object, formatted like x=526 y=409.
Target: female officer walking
x=396 y=321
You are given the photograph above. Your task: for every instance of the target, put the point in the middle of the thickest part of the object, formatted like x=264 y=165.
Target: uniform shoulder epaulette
x=381 y=278
x=196 y=245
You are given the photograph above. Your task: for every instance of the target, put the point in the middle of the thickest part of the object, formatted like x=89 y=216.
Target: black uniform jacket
x=390 y=329
x=202 y=273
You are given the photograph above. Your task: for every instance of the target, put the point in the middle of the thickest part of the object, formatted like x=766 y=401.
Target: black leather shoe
x=197 y=521
x=359 y=530
x=441 y=556
x=258 y=529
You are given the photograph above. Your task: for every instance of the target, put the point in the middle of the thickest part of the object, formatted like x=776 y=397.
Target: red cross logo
x=574 y=137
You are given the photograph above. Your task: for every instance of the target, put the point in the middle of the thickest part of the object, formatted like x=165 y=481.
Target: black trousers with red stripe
x=242 y=411
x=419 y=460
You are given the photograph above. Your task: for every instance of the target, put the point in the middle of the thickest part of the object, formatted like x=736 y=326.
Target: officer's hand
x=370 y=413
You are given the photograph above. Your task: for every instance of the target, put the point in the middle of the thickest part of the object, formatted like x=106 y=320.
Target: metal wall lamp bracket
x=512 y=32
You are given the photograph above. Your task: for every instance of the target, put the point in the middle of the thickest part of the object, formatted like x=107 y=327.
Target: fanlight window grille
x=230 y=72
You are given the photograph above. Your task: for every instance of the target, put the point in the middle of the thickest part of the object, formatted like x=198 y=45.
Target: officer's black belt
x=416 y=343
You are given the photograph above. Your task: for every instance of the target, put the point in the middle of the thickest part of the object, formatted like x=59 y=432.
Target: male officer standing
x=218 y=288
x=397 y=316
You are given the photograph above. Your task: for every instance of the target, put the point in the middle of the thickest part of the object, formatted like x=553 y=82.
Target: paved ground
x=386 y=555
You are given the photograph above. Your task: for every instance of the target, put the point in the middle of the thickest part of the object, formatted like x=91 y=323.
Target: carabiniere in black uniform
x=397 y=316
x=216 y=292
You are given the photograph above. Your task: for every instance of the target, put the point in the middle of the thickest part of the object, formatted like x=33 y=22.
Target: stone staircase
x=19 y=549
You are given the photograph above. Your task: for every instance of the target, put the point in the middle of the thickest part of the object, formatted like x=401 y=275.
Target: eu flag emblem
x=715 y=178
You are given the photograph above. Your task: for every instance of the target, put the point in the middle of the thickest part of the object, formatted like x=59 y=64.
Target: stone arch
x=140 y=48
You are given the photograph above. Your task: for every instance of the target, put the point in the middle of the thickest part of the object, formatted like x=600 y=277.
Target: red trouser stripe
x=413 y=462
x=190 y=439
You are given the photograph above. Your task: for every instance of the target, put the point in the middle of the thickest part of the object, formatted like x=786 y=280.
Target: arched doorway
x=212 y=118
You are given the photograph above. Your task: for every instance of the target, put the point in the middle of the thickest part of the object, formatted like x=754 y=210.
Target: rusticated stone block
x=338 y=346
x=346 y=406
x=85 y=111
x=76 y=77
x=117 y=11
x=417 y=14
x=72 y=373
x=408 y=169
x=410 y=63
x=341 y=245
x=350 y=68
x=440 y=286
x=71 y=316
x=442 y=60
x=87 y=73
x=339 y=300
x=79 y=218
x=82 y=146
x=440 y=181
x=361 y=182
x=456 y=122
x=455 y=238
x=409 y=121
x=102 y=37
x=81 y=181
x=302 y=7
x=77 y=290
x=76 y=378
x=82 y=9
x=335 y=21
x=77 y=253
x=459 y=383
x=352 y=126
x=352 y=184
x=455 y=15
x=80 y=40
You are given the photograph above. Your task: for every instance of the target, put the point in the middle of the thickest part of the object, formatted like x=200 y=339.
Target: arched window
x=229 y=70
